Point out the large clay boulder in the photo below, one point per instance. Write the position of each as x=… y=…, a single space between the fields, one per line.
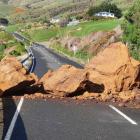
x=13 y=77
x=66 y=81
x=115 y=69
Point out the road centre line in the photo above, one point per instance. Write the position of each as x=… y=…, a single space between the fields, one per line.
x=11 y=127
x=123 y=115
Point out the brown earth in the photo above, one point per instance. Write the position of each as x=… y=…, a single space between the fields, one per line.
x=111 y=76
x=111 y=71
x=115 y=69
x=19 y=10
x=66 y=81
x=13 y=77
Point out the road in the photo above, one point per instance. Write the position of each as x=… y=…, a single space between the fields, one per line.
x=68 y=119
x=48 y=60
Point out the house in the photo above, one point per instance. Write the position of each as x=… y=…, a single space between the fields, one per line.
x=74 y=22
x=105 y=14
x=55 y=19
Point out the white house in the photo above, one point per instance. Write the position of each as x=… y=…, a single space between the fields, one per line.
x=74 y=22
x=55 y=20
x=105 y=14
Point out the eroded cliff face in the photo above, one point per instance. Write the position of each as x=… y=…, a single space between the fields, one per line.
x=111 y=76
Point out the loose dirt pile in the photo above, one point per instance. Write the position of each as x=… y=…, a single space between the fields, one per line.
x=112 y=76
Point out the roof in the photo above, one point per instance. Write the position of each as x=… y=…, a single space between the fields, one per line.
x=104 y=13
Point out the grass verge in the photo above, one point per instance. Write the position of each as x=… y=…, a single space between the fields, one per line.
x=79 y=56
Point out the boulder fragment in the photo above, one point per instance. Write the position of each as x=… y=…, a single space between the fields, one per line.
x=13 y=77
x=115 y=69
x=66 y=81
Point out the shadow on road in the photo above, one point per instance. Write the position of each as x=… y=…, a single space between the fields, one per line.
x=9 y=108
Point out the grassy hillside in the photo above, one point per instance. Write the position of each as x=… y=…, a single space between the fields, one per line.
x=46 y=8
x=86 y=28
x=10 y=46
x=44 y=3
x=5 y=9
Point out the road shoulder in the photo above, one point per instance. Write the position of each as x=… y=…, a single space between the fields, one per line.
x=1 y=118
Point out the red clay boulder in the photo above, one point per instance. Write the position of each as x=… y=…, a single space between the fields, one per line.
x=66 y=81
x=115 y=69
x=13 y=77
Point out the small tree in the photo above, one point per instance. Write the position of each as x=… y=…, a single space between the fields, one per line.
x=105 y=6
x=131 y=27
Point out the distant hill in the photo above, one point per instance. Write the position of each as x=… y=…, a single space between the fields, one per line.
x=5 y=9
x=44 y=8
x=38 y=3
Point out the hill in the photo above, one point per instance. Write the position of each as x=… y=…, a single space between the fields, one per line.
x=36 y=9
x=44 y=3
x=5 y=9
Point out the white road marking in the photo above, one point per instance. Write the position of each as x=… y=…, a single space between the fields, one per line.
x=123 y=115
x=11 y=127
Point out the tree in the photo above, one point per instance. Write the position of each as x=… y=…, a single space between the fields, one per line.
x=106 y=6
x=131 y=27
x=133 y=15
x=4 y=21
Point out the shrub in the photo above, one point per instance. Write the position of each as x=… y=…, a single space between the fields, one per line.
x=20 y=48
x=1 y=55
x=15 y=53
x=2 y=47
x=5 y=36
x=131 y=27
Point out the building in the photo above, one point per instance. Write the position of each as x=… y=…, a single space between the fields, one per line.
x=55 y=19
x=74 y=22
x=105 y=14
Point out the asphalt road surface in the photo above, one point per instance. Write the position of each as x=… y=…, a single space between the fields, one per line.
x=45 y=59
x=71 y=120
